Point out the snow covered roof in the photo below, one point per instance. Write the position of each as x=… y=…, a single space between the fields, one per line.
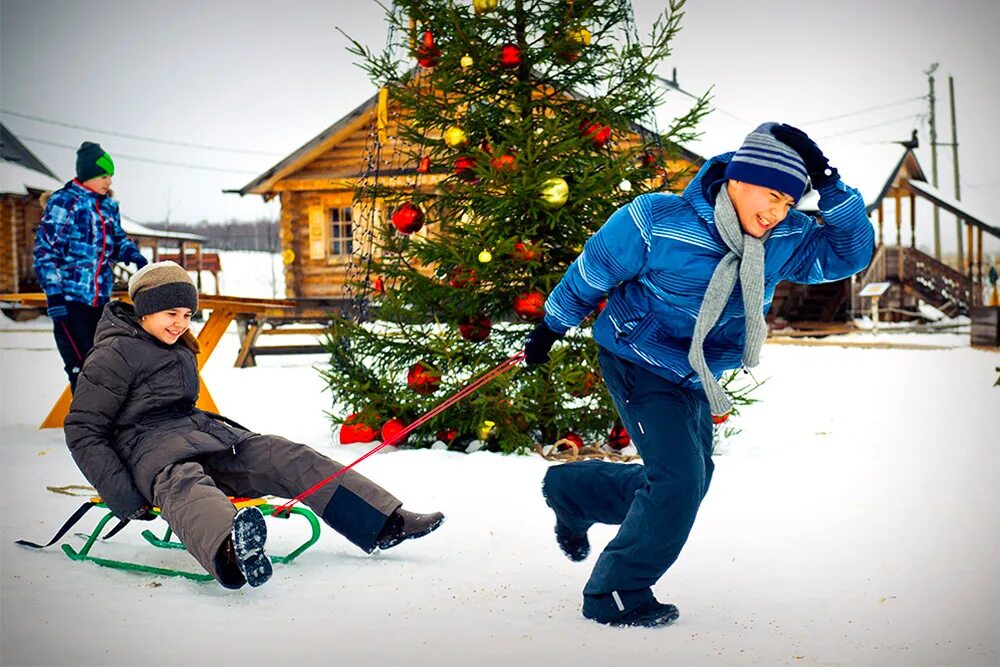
x=133 y=228
x=16 y=179
x=954 y=206
x=20 y=169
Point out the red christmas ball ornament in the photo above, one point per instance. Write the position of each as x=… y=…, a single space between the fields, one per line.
x=504 y=162
x=598 y=133
x=425 y=165
x=446 y=435
x=423 y=379
x=619 y=438
x=352 y=431
x=530 y=306
x=510 y=56
x=462 y=277
x=427 y=52
x=391 y=429
x=475 y=329
x=465 y=168
x=524 y=251
x=408 y=218
x=574 y=438
x=379 y=285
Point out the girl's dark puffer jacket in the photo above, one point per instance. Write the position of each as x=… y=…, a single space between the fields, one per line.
x=133 y=411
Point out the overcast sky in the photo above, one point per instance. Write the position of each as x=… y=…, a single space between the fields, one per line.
x=263 y=76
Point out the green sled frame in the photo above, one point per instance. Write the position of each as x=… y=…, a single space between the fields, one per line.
x=169 y=542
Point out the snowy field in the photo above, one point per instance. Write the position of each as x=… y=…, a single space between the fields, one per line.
x=853 y=521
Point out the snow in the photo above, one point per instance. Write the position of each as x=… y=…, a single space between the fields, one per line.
x=851 y=521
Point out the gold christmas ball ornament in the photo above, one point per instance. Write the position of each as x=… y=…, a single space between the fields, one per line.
x=455 y=136
x=554 y=193
x=580 y=36
x=466 y=61
x=288 y=256
x=485 y=257
x=486 y=429
x=483 y=6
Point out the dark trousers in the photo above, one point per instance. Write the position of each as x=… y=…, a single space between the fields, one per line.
x=75 y=336
x=655 y=503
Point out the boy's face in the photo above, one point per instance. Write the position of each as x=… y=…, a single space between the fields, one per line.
x=101 y=185
x=758 y=208
x=167 y=326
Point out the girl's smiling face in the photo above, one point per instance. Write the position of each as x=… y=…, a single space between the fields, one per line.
x=167 y=326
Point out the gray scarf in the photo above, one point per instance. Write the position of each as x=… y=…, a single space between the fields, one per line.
x=746 y=260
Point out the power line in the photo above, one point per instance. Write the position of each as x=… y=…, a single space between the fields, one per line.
x=869 y=127
x=863 y=111
x=143 y=159
x=133 y=136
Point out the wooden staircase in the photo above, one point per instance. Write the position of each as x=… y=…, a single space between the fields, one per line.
x=916 y=276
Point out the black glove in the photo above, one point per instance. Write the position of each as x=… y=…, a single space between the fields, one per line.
x=56 y=307
x=817 y=166
x=141 y=513
x=140 y=261
x=538 y=343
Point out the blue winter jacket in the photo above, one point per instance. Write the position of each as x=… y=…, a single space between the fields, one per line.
x=79 y=238
x=654 y=257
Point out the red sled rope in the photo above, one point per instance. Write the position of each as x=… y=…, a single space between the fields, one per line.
x=486 y=378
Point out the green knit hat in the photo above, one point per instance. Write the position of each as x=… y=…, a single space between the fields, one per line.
x=162 y=286
x=93 y=162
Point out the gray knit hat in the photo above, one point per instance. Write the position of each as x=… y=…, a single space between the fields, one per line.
x=765 y=161
x=161 y=286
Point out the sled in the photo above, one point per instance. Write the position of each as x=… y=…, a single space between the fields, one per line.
x=168 y=540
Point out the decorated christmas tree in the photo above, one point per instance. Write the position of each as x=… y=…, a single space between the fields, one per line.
x=507 y=132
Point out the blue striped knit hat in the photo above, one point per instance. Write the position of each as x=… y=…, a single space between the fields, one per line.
x=763 y=160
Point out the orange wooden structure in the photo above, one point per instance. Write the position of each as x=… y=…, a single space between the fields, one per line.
x=224 y=309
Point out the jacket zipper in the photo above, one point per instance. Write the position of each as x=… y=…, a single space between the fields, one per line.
x=104 y=245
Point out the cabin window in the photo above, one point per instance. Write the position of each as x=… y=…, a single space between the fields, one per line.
x=341 y=231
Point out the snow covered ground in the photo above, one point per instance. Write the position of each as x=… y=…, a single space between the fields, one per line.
x=853 y=521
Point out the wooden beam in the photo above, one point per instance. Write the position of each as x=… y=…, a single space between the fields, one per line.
x=913 y=220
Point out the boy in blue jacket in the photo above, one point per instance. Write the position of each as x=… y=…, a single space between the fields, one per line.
x=688 y=279
x=78 y=240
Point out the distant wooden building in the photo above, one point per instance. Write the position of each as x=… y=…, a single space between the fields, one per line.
x=319 y=225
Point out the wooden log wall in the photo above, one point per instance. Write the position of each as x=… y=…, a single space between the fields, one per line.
x=9 y=253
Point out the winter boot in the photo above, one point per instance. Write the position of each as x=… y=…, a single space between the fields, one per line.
x=249 y=534
x=647 y=615
x=576 y=547
x=643 y=609
x=403 y=525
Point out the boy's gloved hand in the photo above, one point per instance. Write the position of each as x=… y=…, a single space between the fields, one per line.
x=817 y=166
x=141 y=513
x=140 y=261
x=538 y=343
x=56 y=307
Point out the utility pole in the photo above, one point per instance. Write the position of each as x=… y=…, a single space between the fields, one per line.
x=934 y=169
x=954 y=160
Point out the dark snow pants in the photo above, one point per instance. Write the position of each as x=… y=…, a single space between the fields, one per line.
x=192 y=495
x=75 y=336
x=655 y=503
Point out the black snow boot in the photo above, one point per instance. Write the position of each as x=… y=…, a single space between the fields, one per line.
x=576 y=547
x=403 y=525
x=647 y=615
x=249 y=534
